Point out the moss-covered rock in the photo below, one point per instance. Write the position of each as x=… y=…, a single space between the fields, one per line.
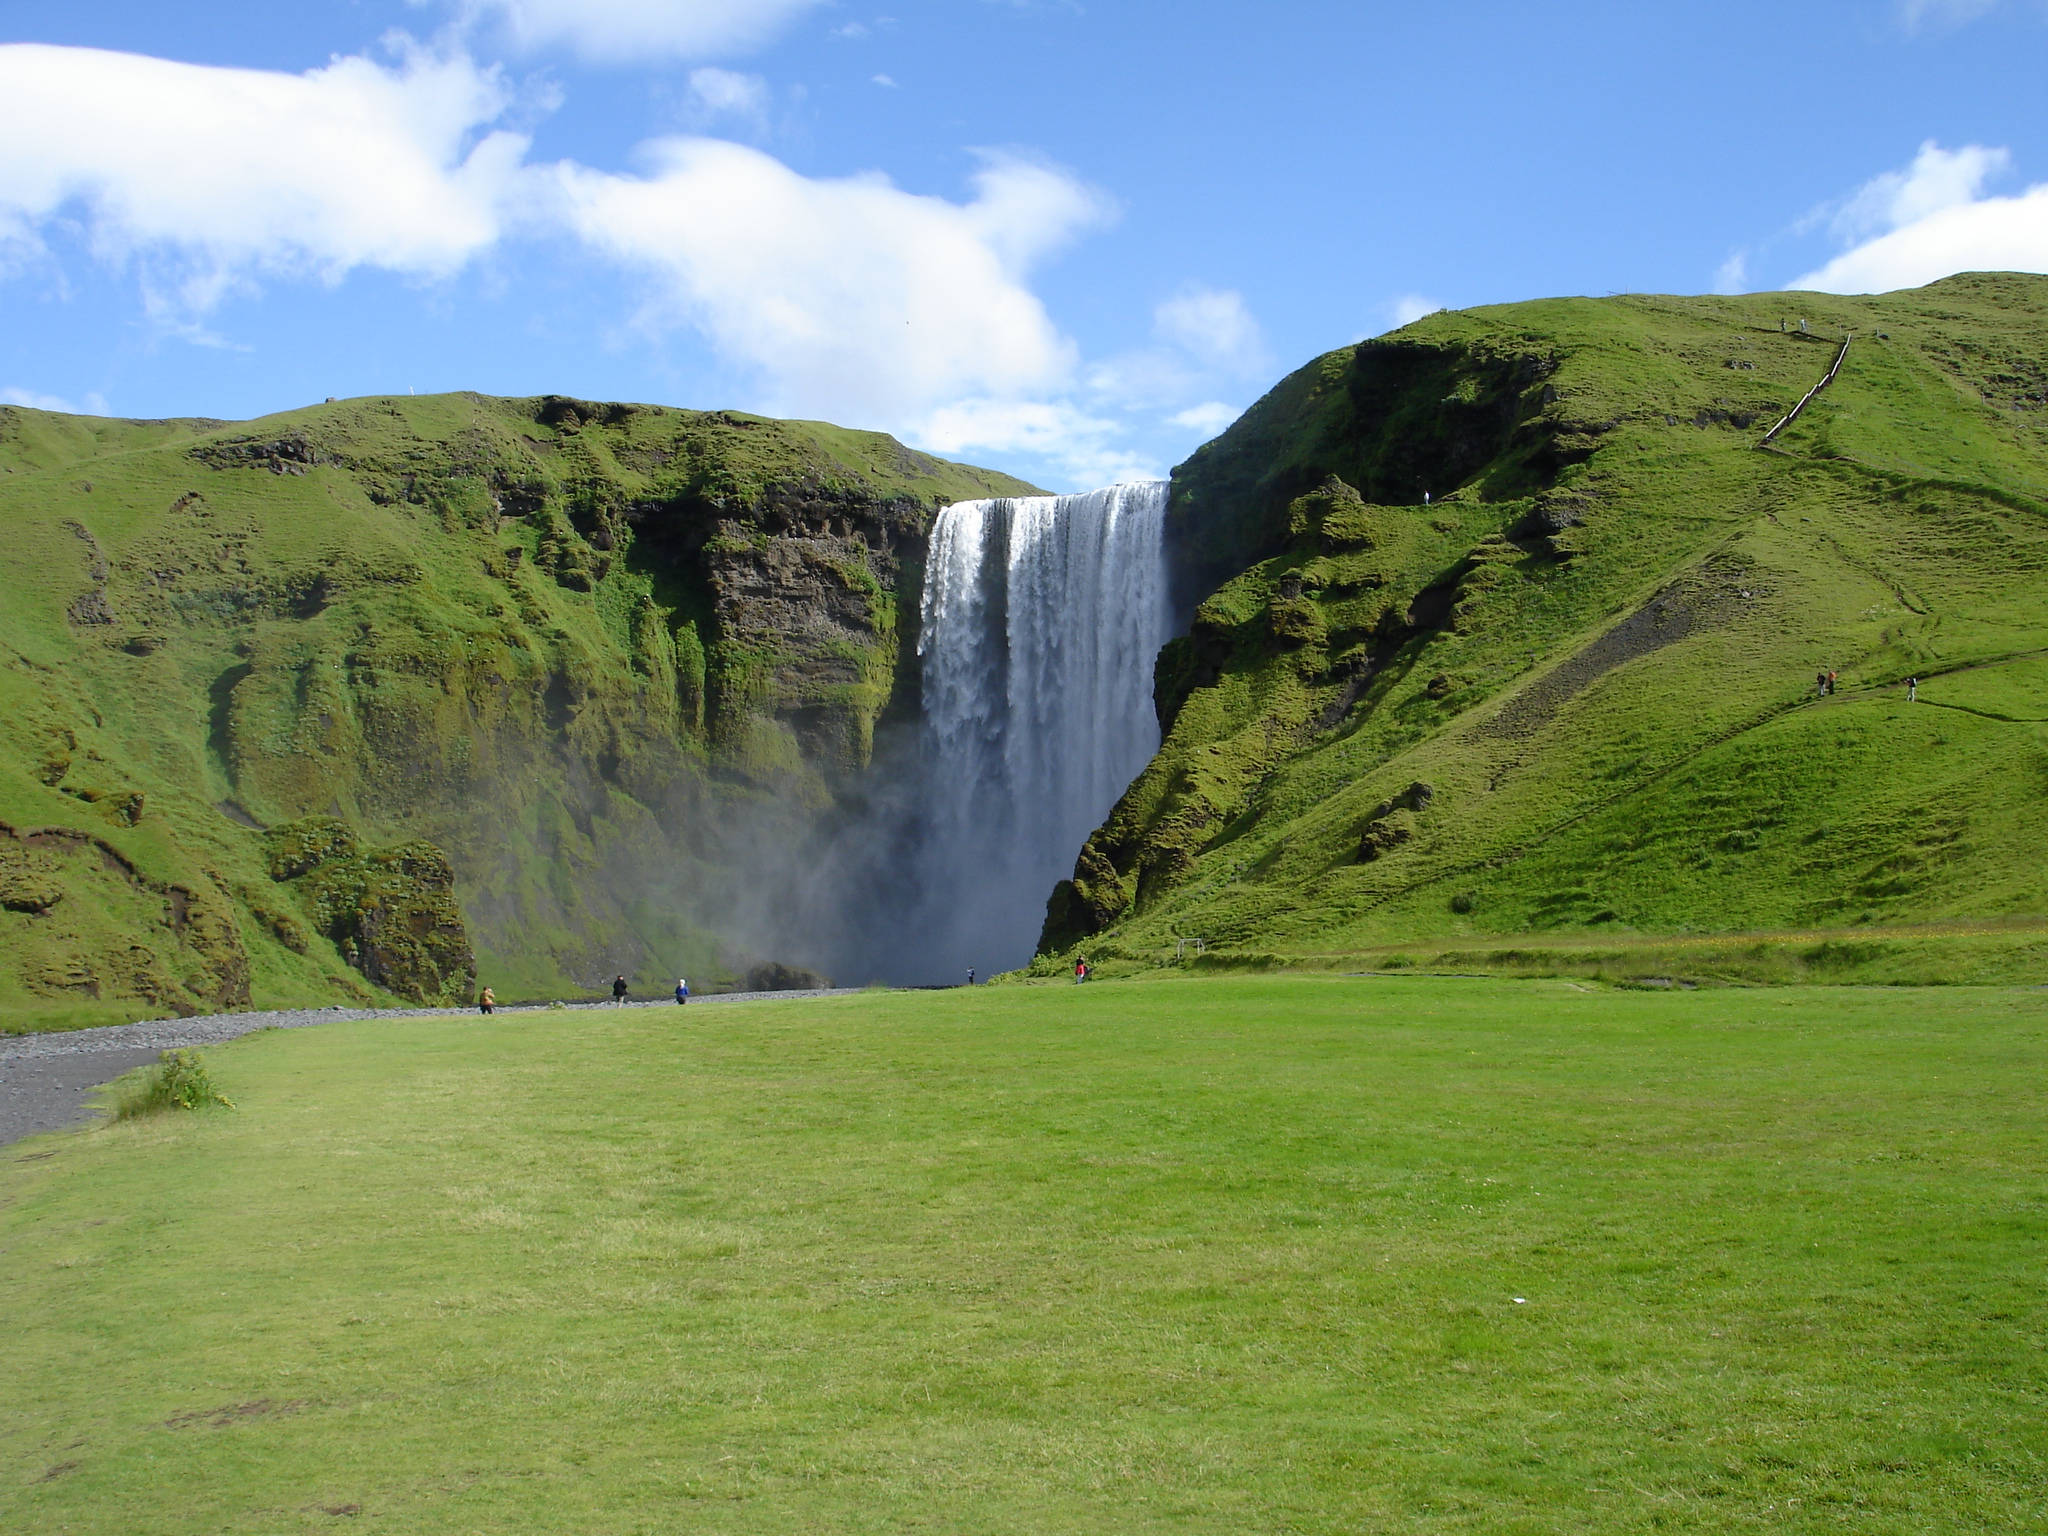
x=390 y=911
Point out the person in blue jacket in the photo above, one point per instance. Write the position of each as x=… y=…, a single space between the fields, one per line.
x=682 y=990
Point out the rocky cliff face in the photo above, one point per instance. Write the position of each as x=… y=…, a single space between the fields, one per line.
x=581 y=654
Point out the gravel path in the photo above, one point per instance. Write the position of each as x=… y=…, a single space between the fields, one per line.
x=46 y=1080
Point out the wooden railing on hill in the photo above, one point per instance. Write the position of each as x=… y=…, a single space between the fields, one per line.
x=1826 y=379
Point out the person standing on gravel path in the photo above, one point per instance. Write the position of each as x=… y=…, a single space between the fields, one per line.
x=619 y=991
x=486 y=1001
x=682 y=990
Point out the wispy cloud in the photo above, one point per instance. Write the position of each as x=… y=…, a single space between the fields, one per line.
x=1205 y=337
x=1930 y=220
x=1937 y=179
x=95 y=404
x=1923 y=13
x=724 y=96
x=1086 y=448
x=633 y=31
x=1208 y=418
x=1409 y=308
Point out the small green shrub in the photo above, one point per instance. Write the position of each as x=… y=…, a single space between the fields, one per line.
x=178 y=1081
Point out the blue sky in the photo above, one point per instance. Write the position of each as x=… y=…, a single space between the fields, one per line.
x=1065 y=239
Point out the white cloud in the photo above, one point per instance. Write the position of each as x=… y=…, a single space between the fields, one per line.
x=722 y=93
x=1409 y=308
x=1732 y=276
x=1933 y=222
x=13 y=395
x=847 y=298
x=1938 y=178
x=629 y=31
x=1208 y=336
x=1214 y=326
x=1087 y=449
x=1208 y=418
x=234 y=170
x=884 y=80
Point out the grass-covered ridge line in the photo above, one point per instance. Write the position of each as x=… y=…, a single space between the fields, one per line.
x=1228 y=1256
x=1573 y=693
x=554 y=645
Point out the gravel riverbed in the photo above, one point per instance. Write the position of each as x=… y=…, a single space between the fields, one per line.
x=47 y=1080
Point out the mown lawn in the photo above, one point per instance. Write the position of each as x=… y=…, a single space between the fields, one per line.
x=1260 y=1255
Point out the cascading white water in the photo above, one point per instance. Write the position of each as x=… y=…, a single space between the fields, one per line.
x=1042 y=616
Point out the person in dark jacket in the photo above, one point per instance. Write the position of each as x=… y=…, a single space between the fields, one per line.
x=619 y=991
x=682 y=989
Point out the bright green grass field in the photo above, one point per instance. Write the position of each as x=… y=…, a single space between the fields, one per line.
x=1218 y=1256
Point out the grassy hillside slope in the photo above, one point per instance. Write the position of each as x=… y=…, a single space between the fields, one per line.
x=1521 y=626
x=521 y=662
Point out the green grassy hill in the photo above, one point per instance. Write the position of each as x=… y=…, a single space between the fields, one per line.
x=308 y=709
x=1509 y=626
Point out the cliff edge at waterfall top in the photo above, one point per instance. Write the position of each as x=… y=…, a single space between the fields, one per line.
x=1508 y=639
x=331 y=706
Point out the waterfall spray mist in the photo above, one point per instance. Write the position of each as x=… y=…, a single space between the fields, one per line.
x=1042 y=616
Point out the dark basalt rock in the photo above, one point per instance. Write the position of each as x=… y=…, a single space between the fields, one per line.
x=774 y=976
x=1393 y=822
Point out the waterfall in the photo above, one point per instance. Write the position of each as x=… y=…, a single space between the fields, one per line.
x=1041 y=619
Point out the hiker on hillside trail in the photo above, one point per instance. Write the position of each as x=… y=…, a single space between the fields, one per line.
x=682 y=990
x=1831 y=683
x=486 y=1001
x=1912 y=689
x=1080 y=971
x=970 y=978
x=1820 y=684
x=619 y=991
